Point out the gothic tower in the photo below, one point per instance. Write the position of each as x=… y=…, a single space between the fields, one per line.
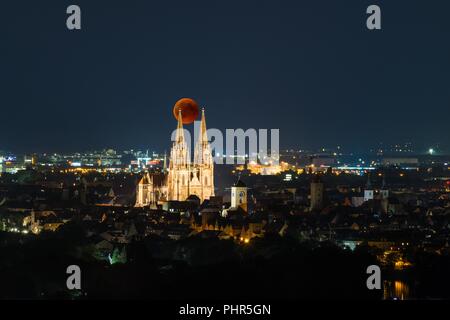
x=142 y=192
x=202 y=175
x=179 y=167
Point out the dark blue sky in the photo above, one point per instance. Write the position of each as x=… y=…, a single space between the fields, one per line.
x=310 y=68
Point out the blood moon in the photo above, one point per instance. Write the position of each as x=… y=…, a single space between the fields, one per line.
x=189 y=110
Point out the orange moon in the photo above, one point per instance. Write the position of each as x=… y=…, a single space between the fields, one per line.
x=189 y=110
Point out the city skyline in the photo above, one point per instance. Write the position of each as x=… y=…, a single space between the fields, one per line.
x=212 y=158
x=150 y=149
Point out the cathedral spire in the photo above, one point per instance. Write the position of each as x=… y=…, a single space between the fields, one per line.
x=180 y=131
x=203 y=136
x=202 y=152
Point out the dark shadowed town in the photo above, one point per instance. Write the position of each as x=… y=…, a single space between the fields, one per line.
x=315 y=221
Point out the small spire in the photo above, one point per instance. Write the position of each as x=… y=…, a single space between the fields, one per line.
x=202 y=143
x=239 y=182
x=180 y=119
x=165 y=161
x=180 y=131
x=144 y=180
x=203 y=135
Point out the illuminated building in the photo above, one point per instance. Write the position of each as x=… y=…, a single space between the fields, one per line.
x=151 y=189
x=266 y=168
x=184 y=178
x=239 y=195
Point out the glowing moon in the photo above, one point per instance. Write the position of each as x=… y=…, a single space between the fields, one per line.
x=189 y=110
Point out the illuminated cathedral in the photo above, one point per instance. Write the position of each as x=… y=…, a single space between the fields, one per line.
x=183 y=177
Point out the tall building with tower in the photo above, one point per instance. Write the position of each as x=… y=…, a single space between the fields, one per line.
x=239 y=196
x=183 y=177
x=384 y=191
x=151 y=189
x=384 y=196
x=368 y=191
x=316 y=193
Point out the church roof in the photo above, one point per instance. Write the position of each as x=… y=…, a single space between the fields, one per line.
x=193 y=197
x=144 y=179
x=240 y=184
x=158 y=179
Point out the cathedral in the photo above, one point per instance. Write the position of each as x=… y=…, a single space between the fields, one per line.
x=183 y=177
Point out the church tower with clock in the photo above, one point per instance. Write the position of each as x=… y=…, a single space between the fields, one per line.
x=239 y=195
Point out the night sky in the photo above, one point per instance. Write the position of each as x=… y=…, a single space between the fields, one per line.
x=310 y=68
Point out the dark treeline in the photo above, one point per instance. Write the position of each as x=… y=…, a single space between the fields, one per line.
x=34 y=267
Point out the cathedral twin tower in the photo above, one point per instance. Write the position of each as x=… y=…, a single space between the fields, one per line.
x=186 y=178
x=183 y=178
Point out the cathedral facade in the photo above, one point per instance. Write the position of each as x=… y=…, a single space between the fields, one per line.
x=183 y=177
